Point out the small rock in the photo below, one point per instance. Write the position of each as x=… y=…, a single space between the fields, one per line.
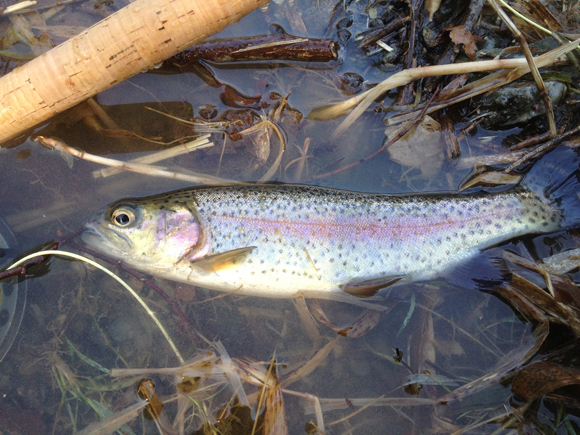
x=518 y=103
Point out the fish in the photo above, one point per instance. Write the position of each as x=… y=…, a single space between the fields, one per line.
x=280 y=240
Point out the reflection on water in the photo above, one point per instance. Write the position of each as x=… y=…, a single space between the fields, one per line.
x=79 y=323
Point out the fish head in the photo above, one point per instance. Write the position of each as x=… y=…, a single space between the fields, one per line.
x=152 y=236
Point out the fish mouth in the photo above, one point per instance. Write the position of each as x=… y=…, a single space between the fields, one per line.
x=116 y=244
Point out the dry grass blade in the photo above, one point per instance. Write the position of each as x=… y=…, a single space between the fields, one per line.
x=432 y=6
x=485 y=84
x=232 y=374
x=273 y=401
x=272 y=44
x=530 y=265
x=516 y=358
x=489 y=178
x=281 y=137
x=362 y=408
x=306 y=320
x=113 y=422
x=317 y=360
x=394 y=137
x=402 y=78
x=365 y=99
x=348 y=299
x=199 y=143
x=333 y=404
x=523 y=17
x=561 y=263
x=533 y=68
x=360 y=326
x=316 y=408
x=18 y=7
x=557 y=312
x=154 y=171
x=202 y=365
x=111 y=274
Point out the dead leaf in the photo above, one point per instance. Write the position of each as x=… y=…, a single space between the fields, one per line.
x=306 y=320
x=319 y=359
x=423 y=147
x=448 y=348
x=274 y=413
x=423 y=351
x=360 y=326
x=543 y=377
x=489 y=178
x=460 y=35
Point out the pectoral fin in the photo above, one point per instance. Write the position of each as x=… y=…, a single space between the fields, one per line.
x=221 y=261
x=366 y=289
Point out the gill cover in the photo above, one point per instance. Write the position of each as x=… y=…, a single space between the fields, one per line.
x=160 y=233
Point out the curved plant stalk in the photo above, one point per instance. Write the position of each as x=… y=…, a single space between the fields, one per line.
x=123 y=283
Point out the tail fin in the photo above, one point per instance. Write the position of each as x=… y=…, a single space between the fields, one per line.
x=556 y=179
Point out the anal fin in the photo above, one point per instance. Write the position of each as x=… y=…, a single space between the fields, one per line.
x=369 y=287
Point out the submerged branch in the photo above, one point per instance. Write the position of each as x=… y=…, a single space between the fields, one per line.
x=275 y=46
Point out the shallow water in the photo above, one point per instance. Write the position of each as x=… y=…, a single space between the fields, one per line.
x=461 y=334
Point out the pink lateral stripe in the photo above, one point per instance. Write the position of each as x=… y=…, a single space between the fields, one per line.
x=359 y=229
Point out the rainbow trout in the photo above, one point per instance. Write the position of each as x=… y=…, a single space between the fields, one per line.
x=281 y=240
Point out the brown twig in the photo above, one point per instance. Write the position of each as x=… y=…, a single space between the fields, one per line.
x=384 y=31
x=23 y=268
x=406 y=94
x=449 y=55
x=533 y=67
x=536 y=152
x=448 y=130
x=275 y=46
x=534 y=140
x=400 y=133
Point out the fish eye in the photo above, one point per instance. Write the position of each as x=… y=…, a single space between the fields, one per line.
x=123 y=217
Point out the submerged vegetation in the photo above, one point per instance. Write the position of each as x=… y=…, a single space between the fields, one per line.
x=380 y=96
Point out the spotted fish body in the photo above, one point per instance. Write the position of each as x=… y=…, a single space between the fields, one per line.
x=311 y=239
